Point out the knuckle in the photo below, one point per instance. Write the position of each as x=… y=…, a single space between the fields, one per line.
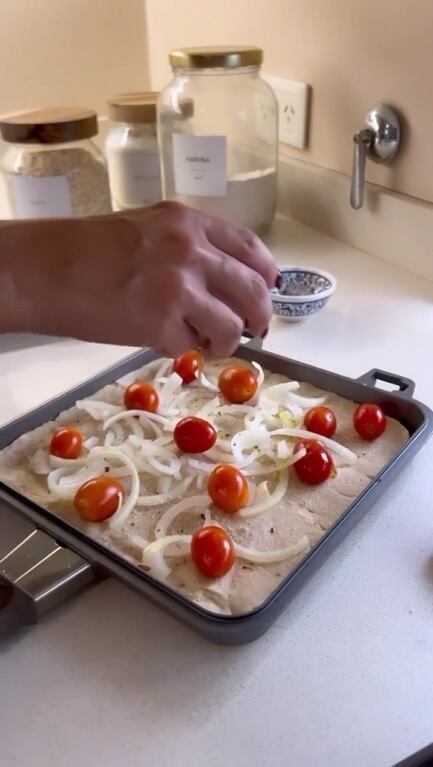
x=249 y=239
x=258 y=286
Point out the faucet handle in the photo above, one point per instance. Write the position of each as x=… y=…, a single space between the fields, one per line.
x=362 y=142
x=379 y=139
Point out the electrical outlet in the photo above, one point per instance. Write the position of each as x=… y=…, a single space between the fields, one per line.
x=293 y=115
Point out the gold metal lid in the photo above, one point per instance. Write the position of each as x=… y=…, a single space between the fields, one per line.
x=136 y=107
x=221 y=56
x=55 y=125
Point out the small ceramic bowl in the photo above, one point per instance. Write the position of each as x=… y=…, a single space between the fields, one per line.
x=303 y=291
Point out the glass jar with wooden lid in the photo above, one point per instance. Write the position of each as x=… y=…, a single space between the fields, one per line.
x=51 y=166
x=132 y=151
x=220 y=154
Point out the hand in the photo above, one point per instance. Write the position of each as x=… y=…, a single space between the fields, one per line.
x=165 y=276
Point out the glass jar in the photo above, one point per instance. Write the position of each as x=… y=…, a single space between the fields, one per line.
x=51 y=167
x=218 y=135
x=132 y=151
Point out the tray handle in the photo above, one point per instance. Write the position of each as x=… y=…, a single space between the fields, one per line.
x=405 y=386
x=36 y=575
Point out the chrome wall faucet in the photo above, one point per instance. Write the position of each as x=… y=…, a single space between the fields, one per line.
x=378 y=139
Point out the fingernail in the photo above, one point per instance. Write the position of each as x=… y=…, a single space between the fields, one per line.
x=279 y=280
x=265 y=333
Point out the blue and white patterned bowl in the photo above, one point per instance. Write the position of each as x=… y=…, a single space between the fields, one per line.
x=303 y=292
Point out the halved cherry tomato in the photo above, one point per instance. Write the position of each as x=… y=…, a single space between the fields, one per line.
x=321 y=420
x=141 y=396
x=66 y=443
x=194 y=435
x=188 y=365
x=228 y=488
x=316 y=466
x=98 y=498
x=212 y=551
x=237 y=383
x=369 y=421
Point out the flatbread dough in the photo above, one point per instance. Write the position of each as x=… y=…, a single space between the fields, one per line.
x=305 y=510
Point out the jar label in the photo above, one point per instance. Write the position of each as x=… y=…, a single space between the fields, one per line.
x=200 y=165
x=41 y=196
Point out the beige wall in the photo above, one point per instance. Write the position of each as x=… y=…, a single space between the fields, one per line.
x=353 y=53
x=70 y=52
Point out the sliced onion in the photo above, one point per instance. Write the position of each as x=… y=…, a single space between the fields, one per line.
x=194 y=503
x=153 y=554
x=269 y=499
x=125 y=508
x=277 y=555
x=164 y=484
x=205 y=382
x=168 y=389
x=174 y=492
x=133 y=414
x=172 y=469
x=247 y=439
x=63 y=484
x=257 y=471
x=336 y=448
x=162 y=369
x=261 y=374
x=90 y=442
x=200 y=465
x=109 y=438
x=283 y=450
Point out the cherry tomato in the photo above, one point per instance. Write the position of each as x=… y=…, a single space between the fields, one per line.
x=194 y=435
x=141 y=396
x=66 y=443
x=237 y=384
x=98 y=498
x=369 y=421
x=317 y=464
x=188 y=365
x=228 y=488
x=212 y=551
x=321 y=420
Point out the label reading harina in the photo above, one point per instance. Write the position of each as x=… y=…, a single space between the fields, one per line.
x=200 y=165
x=41 y=196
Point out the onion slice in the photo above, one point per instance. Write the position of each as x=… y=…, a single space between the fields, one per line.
x=263 y=504
x=153 y=554
x=194 y=503
x=277 y=555
x=206 y=383
x=336 y=448
x=121 y=515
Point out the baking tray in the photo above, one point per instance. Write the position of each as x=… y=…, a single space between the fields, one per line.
x=53 y=559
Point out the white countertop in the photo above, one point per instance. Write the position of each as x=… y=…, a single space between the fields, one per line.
x=345 y=676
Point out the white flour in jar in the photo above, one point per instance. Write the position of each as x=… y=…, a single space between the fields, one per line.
x=250 y=200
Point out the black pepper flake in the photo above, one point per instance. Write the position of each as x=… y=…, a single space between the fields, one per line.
x=132 y=524
x=271 y=530
x=181 y=531
x=246 y=567
x=106 y=469
x=203 y=516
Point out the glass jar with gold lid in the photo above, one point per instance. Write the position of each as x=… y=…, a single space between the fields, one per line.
x=218 y=135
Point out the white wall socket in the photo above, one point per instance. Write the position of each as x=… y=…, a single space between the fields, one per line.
x=293 y=102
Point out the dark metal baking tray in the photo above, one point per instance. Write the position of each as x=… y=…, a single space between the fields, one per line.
x=30 y=582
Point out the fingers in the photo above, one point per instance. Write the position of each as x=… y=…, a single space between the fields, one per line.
x=244 y=246
x=242 y=289
x=216 y=322
x=182 y=336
